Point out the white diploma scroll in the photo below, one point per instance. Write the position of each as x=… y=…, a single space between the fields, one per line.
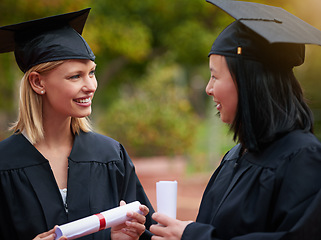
x=97 y=222
x=166 y=197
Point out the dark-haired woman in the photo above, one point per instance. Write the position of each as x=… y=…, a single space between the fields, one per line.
x=269 y=185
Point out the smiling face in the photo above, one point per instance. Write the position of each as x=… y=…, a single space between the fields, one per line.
x=69 y=89
x=222 y=88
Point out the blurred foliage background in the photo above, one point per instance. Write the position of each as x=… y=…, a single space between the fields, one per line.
x=152 y=71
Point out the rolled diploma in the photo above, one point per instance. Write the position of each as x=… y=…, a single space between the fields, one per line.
x=97 y=222
x=166 y=195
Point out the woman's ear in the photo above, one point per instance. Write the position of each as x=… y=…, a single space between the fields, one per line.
x=35 y=80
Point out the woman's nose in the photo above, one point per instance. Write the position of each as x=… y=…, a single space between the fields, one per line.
x=90 y=84
x=209 y=88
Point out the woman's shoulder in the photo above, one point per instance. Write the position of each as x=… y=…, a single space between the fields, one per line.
x=7 y=150
x=13 y=143
x=304 y=149
x=297 y=141
x=290 y=146
x=97 y=147
x=17 y=152
x=97 y=139
x=8 y=141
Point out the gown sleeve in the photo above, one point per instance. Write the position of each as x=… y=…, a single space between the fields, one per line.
x=295 y=212
x=307 y=227
x=129 y=188
x=6 y=223
x=133 y=190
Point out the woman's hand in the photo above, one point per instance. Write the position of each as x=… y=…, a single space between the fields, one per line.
x=168 y=228
x=50 y=235
x=131 y=230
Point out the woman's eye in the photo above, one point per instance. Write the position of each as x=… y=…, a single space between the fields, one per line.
x=92 y=73
x=74 y=77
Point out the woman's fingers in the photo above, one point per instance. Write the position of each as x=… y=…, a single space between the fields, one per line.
x=50 y=235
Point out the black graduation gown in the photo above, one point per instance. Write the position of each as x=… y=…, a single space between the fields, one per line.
x=272 y=195
x=100 y=174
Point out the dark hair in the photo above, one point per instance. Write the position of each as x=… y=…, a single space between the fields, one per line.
x=270 y=103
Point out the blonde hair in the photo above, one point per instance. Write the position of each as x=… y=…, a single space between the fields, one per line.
x=30 y=108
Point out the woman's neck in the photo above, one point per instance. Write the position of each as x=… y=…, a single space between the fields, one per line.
x=56 y=147
x=57 y=132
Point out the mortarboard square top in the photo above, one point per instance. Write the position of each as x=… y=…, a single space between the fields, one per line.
x=47 y=39
x=264 y=33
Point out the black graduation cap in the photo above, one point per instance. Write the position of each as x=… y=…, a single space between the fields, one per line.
x=47 y=39
x=265 y=33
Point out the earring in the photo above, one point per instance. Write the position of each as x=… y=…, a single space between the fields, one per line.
x=42 y=92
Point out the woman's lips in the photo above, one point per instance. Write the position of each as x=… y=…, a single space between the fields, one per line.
x=218 y=106
x=83 y=101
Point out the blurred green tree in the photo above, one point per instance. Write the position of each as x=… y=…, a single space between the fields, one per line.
x=153 y=116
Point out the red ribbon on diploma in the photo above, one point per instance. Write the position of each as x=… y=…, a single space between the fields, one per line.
x=102 y=221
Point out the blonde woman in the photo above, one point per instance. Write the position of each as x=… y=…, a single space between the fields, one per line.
x=54 y=169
